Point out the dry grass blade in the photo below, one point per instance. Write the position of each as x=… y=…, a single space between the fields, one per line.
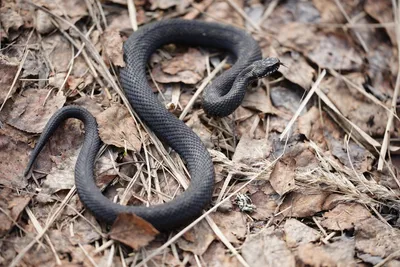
x=303 y=104
x=386 y=138
x=132 y=14
x=244 y=15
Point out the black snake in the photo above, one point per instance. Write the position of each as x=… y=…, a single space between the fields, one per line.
x=221 y=98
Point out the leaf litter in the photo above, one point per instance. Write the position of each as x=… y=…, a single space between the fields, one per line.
x=318 y=197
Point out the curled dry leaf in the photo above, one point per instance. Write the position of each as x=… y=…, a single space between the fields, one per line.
x=12 y=204
x=344 y=216
x=297 y=69
x=188 y=68
x=337 y=253
x=33 y=108
x=197 y=239
x=265 y=205
x=133 y=231
x=267 y=248
x=297 y=233
x=117 y=127
x=112 y=48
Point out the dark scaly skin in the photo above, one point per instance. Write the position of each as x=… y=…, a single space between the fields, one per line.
x=221 y=98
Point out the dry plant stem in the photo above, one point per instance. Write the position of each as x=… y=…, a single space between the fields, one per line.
x=198 y=9
x=190 y=226
x=51 y=220
x=303 y=104
x=132 y=14
x=21 y=64
x=201 y=89
x=244 y=15
x=388 y=258
x=268 y=11
x=38 y=229
x=386 y=138
x=360 y=39
x=226 y=242
x=355 y=25
x=88 y=256
x=362 y=91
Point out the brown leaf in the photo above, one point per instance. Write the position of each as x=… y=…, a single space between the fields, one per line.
x=12 y=205
x=267 y=248
x=82 y=232
x=265 y=205
x=188 y=68
x=376 y=238
x=297 y=71
x=301 y=205
x=202 y=131
x=232 y=224
x=197 y=239
x=8 y=70
x=382 y=11
x=10 y=19
x=116 y=127
x=297 y=233
x=29 y=114
x=58 y=50
x=218 y=256
x=132 y=231
x=337 y=253
x=282 y=176
x=344 y=216
x=112 y=48
x=250 y=151
x=222 y=11
x=259 y=101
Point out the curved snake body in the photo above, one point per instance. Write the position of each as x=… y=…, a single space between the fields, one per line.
x=221 y=98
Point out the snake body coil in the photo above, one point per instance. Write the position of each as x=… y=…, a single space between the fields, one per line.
x=220 y=99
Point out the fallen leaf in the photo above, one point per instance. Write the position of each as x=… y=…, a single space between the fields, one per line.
x=338 y=253
x=82 y=232
x=382 y=11
x=197 y=239
x=259 y=101
x=218 y=256
x=267 y=248
x=297 y=233
x=10 y=19
x=376 y=238
x=344 y=216
x=222 y=11
x=232 y=224
x=43 y=21
x=297 y=69
x=58 y=51
x=282 y=176
x=300 y=205
x=198 y=127
x=265 y=205
x=132 y=231
x=8 y=70
x=285 y=97
x=12 y=205
x=112 y=48
x=33 y=108
x=250 y=151
x=187 y=68
x=116 y=127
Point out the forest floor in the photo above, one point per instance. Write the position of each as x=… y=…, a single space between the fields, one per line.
x=307 y=168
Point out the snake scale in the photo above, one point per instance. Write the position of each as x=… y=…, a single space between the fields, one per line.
x=220 y=99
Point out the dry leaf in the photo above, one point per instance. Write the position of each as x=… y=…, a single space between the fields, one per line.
x=344 y=216
x=267 y=248
x=259 y=101
x=282 y=176
x=116 y=127
x=12 y=205
x=195 y=124
x=58 y=51
x=297 y=69
x=251 y=151
x=112 y=48
x=232 y=224
x=265 y=205
x=33 y=108
x=218 y=256
x=382 y=11
x=8 y=70
x=10 y=19
x=82 y=231
x=297 y=233
x=376 y=238
x=132 y=231
x=337 y=253
x=197 y=239
x=188 y=68
x=301 y=205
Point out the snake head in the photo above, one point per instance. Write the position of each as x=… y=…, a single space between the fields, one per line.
x=264 y=67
